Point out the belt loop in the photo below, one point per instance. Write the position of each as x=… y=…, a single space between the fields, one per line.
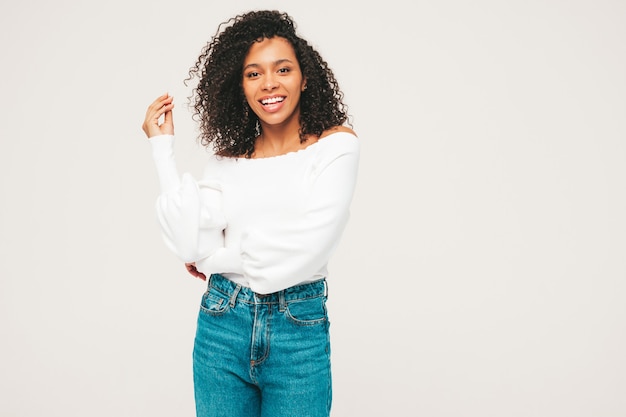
x=233 y=297
x=325 y=288
x=281 y=301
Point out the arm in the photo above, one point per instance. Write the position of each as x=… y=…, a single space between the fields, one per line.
x=191 y=218
x=189 y=213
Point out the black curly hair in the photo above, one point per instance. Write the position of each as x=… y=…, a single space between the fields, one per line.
x=226 y=121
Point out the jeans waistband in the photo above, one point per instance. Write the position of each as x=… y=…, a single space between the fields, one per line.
x=297 y=292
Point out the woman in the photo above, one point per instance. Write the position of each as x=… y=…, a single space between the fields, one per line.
x=264 y=219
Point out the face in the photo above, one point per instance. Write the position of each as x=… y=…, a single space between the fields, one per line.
x=272 y=82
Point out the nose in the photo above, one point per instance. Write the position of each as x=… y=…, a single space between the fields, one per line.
x=269 y=83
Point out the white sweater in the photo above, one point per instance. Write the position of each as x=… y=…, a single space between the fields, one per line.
x=266 y=223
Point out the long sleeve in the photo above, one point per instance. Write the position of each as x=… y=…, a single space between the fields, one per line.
x=163 y=156
x=281 y=254
x=189 y=212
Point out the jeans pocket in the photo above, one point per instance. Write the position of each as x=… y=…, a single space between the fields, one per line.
x=214 y=302
x=307 y=312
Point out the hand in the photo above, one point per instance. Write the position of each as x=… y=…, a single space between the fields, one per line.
x=162 y=106
x=191 y=268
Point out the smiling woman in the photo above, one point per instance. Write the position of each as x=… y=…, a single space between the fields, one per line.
x=265 y=218
x=272 y=84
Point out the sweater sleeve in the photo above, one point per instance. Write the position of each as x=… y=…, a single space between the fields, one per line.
x=284 y=253
x=189 y=212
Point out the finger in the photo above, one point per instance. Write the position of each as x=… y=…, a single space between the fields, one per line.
x=169 y=115
x=163 y=97
x=161 y=106
x=160 y=102
x=158 y=108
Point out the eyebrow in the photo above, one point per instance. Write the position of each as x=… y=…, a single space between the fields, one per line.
x=275 y=63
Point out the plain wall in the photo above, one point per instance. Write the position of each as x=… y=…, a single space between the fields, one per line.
x=483 y=272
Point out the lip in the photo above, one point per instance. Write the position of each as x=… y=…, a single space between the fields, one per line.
x=272 y=107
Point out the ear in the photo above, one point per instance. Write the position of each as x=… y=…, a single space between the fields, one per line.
x=303 y=85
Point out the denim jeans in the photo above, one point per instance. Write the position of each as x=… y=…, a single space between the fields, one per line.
x=262 y=355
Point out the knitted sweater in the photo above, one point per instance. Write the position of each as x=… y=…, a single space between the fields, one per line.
x=265 y=223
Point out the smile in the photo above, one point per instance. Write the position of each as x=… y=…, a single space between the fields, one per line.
x=272 y=100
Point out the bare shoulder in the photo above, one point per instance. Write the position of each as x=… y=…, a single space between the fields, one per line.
x=336 y=129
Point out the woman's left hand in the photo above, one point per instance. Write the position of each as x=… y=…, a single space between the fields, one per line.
x=191 y=268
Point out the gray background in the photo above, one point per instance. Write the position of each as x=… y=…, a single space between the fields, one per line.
x=483 y=270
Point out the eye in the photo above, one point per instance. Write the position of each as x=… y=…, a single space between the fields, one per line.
x=284 y=70
x=252 y=74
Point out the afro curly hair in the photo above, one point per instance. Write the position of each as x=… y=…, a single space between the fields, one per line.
x=225 y=118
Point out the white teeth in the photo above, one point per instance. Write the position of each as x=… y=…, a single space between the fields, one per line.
x=272 y=100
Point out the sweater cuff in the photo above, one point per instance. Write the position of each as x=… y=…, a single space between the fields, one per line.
x=163 y=156
x=162 y=146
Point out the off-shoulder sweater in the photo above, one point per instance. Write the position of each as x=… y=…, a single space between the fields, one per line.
x=265 y=223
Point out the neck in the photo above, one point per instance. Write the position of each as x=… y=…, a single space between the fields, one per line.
x=277 y=140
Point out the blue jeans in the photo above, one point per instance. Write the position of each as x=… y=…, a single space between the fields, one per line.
x=262 y=355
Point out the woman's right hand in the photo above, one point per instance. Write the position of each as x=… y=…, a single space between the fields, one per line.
x=162 y=106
